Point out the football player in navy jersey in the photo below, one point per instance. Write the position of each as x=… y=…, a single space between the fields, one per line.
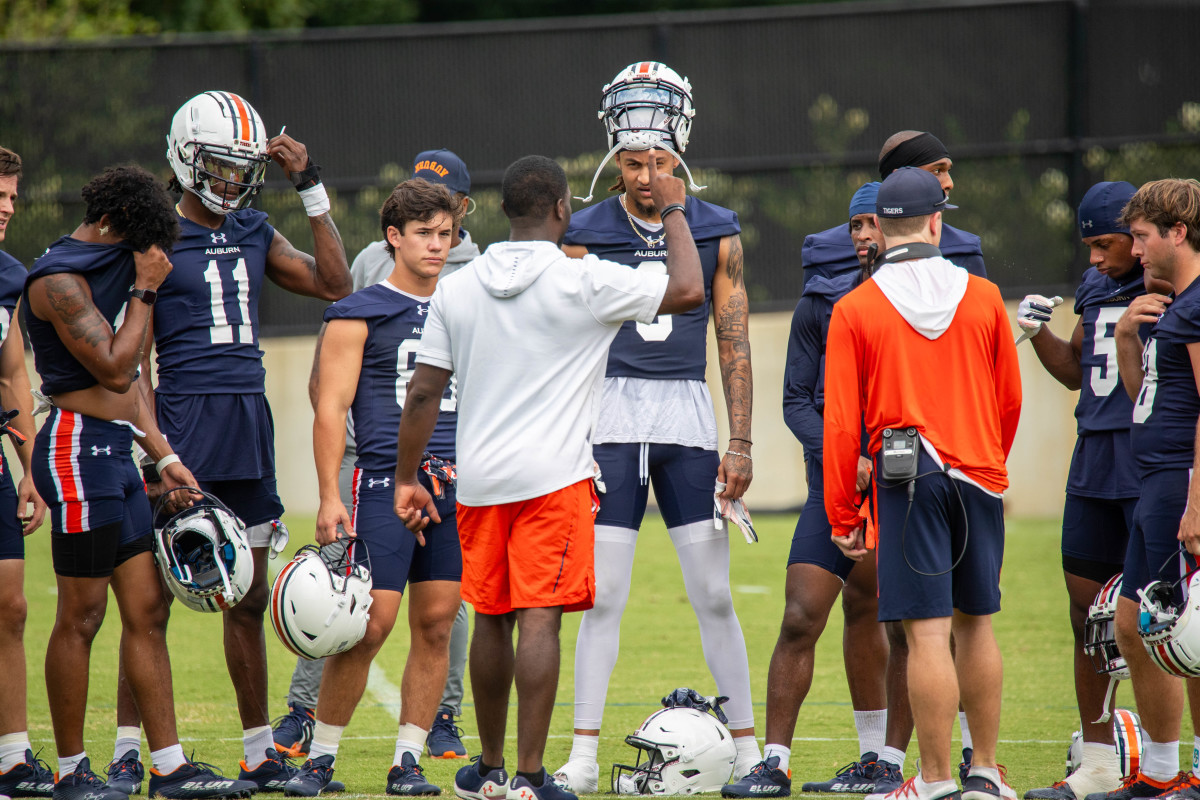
x=831 y=252
x=21 y=513
x=104 y=276
x=656 y=422
x=367 y=357
x=1102 y=485
x=1162 y=378
x=210 y=400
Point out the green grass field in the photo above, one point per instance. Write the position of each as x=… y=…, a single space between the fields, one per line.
x=660 y=651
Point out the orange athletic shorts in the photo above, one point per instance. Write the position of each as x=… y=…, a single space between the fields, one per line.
x=536 y=553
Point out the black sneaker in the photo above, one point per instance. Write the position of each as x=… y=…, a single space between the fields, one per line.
x=857 y=777
x=30 y=779
x=1058 y=791
x=313 y=778
x=408 y=779
x=766 y=779
x=1133 y=787
x=194 y=780
x=294 y=731
x=126 y=773
x=445 y=738
x=83 y=784
x=274 y=773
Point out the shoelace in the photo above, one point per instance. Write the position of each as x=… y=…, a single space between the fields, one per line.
x=906 y=788
x=446 y=725
x=41 y=769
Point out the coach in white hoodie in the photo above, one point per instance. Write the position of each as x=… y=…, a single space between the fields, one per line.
x=527 y=329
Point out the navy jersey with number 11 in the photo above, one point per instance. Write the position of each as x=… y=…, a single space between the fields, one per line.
x=395 y=321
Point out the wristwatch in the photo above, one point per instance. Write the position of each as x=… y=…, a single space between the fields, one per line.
x=147 y=296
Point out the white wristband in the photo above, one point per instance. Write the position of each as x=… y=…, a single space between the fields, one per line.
x=316 y=200
x=165 y=462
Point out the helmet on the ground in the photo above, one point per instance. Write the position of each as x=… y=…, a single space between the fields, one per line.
x=218 y=138
x=1169 y=625
x=1099 y=632
x=319 y=608
x=1127 y=733
x=203 y=554
x=646 y=104
x=680 y=751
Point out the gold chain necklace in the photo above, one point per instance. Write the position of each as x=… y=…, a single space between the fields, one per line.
x=650 y=241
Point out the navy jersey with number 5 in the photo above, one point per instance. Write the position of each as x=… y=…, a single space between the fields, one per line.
x=395 y=321
x=1167 y=407
x=673 y=347
x=206 y=317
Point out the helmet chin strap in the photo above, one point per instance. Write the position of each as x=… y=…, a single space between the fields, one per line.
x=1108 y=699
x=638 y=141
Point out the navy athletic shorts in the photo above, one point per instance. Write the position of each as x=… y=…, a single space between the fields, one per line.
x=12 y=542
x=1095 y=531
x=811 y=543
x=684 y=480
x=1153 y=552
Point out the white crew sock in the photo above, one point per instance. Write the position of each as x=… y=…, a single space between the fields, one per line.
x=966 y=730
x=168 y=759
x=12 y=749
x=326 y=739
x=256 y=742
x=129 y=737
x=584 y=748
x=784 y=754
x=871 y=726
x=893 y=756
x=67 y=764
x=1160 y=760
x=409 y=739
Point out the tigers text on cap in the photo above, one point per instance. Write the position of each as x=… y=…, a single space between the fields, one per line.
x=1101 y=207
x=442 y=166
x=910 y=192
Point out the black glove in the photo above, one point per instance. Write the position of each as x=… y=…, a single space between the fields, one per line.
x=684 y=697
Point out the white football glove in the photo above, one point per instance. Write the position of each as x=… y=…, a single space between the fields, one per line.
x=1035 y=310
x=735 y=511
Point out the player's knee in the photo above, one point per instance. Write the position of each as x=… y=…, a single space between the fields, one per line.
x=714 y=603
x=897 y=641
x=81 y=619
x=13 y=611
x=251 y=608
x=859 y=608
x=377 y=633
x=801 y=625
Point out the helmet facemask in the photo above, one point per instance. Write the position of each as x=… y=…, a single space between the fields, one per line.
x=214 y=166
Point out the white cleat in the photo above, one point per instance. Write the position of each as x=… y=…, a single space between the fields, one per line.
x=579 y=777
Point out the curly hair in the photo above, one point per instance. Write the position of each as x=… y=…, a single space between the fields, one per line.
x=417 y=200
x=137 y=204
x=10 y=163
x=1165 y=203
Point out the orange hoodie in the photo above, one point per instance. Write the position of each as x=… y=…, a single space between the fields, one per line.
x=962 y=390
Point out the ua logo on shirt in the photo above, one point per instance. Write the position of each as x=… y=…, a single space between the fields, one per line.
x=217 y=238
x=106 y=450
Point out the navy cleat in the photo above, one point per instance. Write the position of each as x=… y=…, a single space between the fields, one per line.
x=312 y=779
x=521 y=788
x=126 y=773
x=294 y=731
x=857 y=777
x=83 y=784
x=471 y=784
x=407 y=779
x=32 y=778
x=766 y=779
x=274 y=773
x=445 y=738
x=194 y=780
x=888 y=777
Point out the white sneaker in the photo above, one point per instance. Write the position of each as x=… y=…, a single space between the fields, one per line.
x=909 y=791
x=987 y=784
x=579 y=777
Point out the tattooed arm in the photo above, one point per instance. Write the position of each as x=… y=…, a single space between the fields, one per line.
x=731 y=316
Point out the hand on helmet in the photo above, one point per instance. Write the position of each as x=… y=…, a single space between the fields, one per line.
x=330 y=516
x=665 y=188
x=289 y=154
x=1035 y=310
x=176 y=475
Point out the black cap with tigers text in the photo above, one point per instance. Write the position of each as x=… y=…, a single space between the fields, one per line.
x=911 y=192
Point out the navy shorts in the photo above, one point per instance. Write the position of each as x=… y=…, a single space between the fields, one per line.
x=684 y=479
x=395 y=557
x=1095 y=535
x=1153 y=552
x=811 y=543
x=12 y=542
x=948 y=519
x=220 y=437
x=254 y=500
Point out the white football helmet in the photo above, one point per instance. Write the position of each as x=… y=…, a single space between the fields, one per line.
x=1127 y=732
x=680 y=751
x=320 y=609
x=1169 y=627
x=1099 y=633
x=217 y=138
x=204 y=555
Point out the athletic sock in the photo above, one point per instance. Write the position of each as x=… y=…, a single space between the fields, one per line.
x=871 y=726
x=67 y=764
x=168 y=759
x=1160 y=760
x=784 y=754
x=410 y=739
x=966 y=730
x=536 y=778
x=326 y=739
x=584 y=748
x=256 y=742
x=12 y=749
x=747 y=749
x=893 y=755
x=129 y=737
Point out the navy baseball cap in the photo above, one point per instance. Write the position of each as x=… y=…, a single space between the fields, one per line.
x=1101 y=207
x=442 y=166
x=910 y=192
